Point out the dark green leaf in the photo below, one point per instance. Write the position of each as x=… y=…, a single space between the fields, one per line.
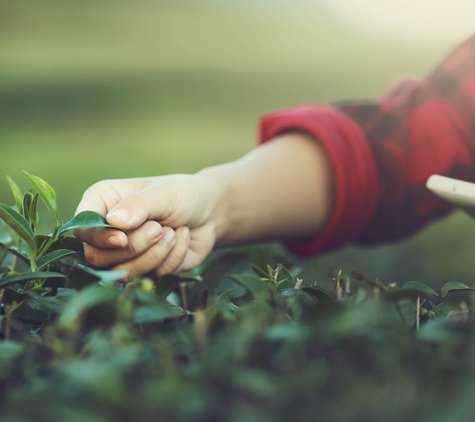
x=10 y=295
x=34 y=218
x=8 y=279
x=320 y=294
x=20 y=254
x=155 y=313
x=454 y=307
x=453 y=286
x=47 y=194
x=166 y=284
x=87 y=298
x=87 y=219
x=51 y=257
x=47 y=303
x=258 y=271
x=17 y=195
x=26 y=204
x=18 y=223
x=30 y=316
x=410 y=289
x=254 y=285
x=81 y=275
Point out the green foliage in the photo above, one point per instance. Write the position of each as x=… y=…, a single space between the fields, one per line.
x=235 y=339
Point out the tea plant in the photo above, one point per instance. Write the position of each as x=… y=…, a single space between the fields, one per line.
x=248 y=336
x=36 y=252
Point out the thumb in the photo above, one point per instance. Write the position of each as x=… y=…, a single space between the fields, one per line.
x=134 y=209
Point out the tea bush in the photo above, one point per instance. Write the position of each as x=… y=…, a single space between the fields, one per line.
x=245 y=337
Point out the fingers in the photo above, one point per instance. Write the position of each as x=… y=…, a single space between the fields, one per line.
x=163 y=252
x=175 y=259
x=152 y=203
x=137 y=242
x=102 y=238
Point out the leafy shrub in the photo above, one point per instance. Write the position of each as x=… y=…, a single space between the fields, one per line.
x=245 y=337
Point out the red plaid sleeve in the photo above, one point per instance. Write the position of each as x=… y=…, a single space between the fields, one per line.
x=383 y=152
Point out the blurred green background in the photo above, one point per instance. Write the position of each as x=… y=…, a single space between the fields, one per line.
x=97 y=89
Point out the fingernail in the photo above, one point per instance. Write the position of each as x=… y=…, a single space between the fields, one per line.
x=168 y=235
x=185 y=233
x=122 y=215
x=114 y=242
x=153 y=232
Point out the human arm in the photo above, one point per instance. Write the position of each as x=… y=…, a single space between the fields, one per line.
x=281 y=190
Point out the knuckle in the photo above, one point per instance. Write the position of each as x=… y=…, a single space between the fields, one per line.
x=174 y=260
x=92 y=256
x=158 y=254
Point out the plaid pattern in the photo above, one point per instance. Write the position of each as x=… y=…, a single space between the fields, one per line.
x=383 y=152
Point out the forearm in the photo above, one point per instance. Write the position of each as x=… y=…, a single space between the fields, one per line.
x=281 y=190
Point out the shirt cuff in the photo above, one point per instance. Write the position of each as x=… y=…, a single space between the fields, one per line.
x=356 y=180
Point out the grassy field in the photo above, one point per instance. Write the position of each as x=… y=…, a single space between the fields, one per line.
x=99 y=90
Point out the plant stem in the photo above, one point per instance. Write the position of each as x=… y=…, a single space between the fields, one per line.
x=3 y=255
x=45 y=249
x=418 y=313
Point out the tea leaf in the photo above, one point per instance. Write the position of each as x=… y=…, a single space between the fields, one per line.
x=320 y=294
x=18 y=223
x=257 y=288
x=410 y=289
x=454 y=285
x=51 y=257
x=17 y=195
x=47 y=194
x=20 y=254
x=168 y=282
x=454 y=307
x=34 y=218
x=155 y=313
x=9 y=279
x=258 y=271
x=87 y=219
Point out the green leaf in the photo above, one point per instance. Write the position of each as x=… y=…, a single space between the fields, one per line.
x=34 y=218
x=155 y=313
x=8 y=279
x=87 y=298
x=87 y=219
x=453 y=286
x=20 y=254
x=30 y=200
x=17 y=195
x=454 y=307
x=166 y=284
x=26 y=203
x=424 y=289
x=320 y=294
x=254 y=285
x=258 y=271
x=18 y=223
x=47 y=193
x=410 y=289
x=51 y=257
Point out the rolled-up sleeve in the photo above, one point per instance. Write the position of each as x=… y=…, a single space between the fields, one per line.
x=384 y=150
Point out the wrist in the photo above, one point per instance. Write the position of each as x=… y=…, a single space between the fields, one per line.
x=218 y=187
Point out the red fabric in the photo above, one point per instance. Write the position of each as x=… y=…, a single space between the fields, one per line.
x=383 y=152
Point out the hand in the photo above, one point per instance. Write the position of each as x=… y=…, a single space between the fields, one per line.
x=169 y=220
